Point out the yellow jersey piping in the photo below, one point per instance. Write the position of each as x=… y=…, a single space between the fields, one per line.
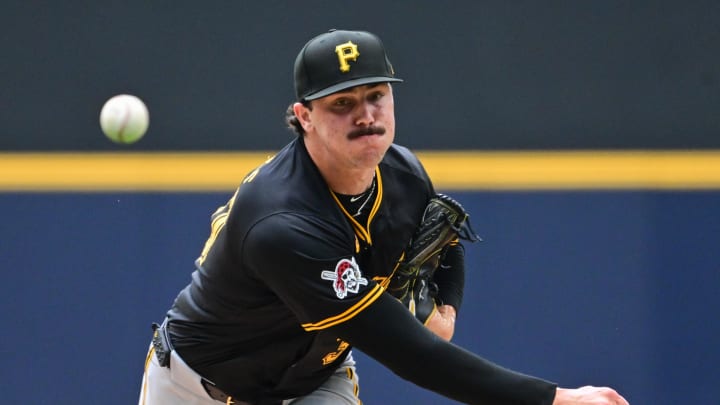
x=368 y=299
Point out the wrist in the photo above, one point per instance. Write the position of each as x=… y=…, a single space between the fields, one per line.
x=442 y=322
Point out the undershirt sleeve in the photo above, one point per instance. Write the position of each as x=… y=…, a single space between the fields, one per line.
x=387 y=332
x=450 y=277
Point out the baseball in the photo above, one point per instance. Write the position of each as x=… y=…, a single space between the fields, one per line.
x=124 y=119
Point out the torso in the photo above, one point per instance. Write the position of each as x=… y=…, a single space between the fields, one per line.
x=285 y=263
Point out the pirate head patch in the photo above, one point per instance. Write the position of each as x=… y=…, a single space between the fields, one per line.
x=346 y=278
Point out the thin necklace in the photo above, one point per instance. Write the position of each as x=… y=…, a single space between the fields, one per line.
x=370 y=194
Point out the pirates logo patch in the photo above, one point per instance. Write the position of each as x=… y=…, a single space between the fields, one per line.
x=346 y=277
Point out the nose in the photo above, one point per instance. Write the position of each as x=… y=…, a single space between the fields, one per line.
x=365 y=114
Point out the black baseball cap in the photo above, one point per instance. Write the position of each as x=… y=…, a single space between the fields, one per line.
x=338 y=60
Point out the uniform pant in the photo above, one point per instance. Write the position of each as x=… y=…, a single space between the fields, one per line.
x=179 y=384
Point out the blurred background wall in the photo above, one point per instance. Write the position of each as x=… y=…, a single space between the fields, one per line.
x=610 y=285
x=478 y=74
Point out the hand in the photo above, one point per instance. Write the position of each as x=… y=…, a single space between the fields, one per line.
x=442 y=321
x=588 y=395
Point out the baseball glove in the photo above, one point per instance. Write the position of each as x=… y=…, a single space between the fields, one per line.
x=444 y=222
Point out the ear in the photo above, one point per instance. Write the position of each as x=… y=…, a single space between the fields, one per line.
x=303 y=115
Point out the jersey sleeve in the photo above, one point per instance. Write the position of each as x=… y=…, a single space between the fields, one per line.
x=387 y=332
x=310 y=265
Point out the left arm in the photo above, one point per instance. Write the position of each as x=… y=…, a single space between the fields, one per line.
x=450 y=279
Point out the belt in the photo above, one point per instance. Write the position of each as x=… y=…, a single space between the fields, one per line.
x=218 y=394
x=163 y=348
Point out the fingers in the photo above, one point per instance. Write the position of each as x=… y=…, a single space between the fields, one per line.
x=620 y=400
x=610 y=395
x=613 y=397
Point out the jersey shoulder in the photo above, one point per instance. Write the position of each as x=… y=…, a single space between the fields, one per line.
x=401 y=158
x=406 y=165
x=286 y=199
x=286 y=182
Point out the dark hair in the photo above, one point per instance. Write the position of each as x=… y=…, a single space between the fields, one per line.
x=292 y=121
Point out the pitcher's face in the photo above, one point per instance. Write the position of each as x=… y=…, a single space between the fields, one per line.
x=352 y=127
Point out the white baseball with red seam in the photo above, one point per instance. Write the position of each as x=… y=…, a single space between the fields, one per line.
x=124 y=118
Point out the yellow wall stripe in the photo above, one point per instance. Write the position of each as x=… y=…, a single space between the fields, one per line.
x=575 y=170
x=457 y=170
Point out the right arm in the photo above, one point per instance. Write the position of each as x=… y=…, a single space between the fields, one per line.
x=387 y=332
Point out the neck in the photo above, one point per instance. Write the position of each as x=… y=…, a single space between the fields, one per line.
x=350 y=183
x=341 y=178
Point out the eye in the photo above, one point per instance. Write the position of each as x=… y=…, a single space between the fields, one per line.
x=376 y=96
x=341 y=102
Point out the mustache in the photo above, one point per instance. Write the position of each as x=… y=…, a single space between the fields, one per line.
x=371 y=130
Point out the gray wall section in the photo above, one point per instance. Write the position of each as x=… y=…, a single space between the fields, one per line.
x=479 y=74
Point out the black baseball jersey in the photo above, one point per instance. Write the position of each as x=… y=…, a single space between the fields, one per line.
x=284 y=263
x=289 y=277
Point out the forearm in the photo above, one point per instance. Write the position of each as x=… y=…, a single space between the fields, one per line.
x=450 y=277
x=392 y=336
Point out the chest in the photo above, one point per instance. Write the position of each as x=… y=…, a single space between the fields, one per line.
x=390 y=231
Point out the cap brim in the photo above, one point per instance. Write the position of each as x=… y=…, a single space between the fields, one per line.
x=350 y=83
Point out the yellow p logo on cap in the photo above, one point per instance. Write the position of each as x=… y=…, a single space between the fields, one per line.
x=346 y=52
